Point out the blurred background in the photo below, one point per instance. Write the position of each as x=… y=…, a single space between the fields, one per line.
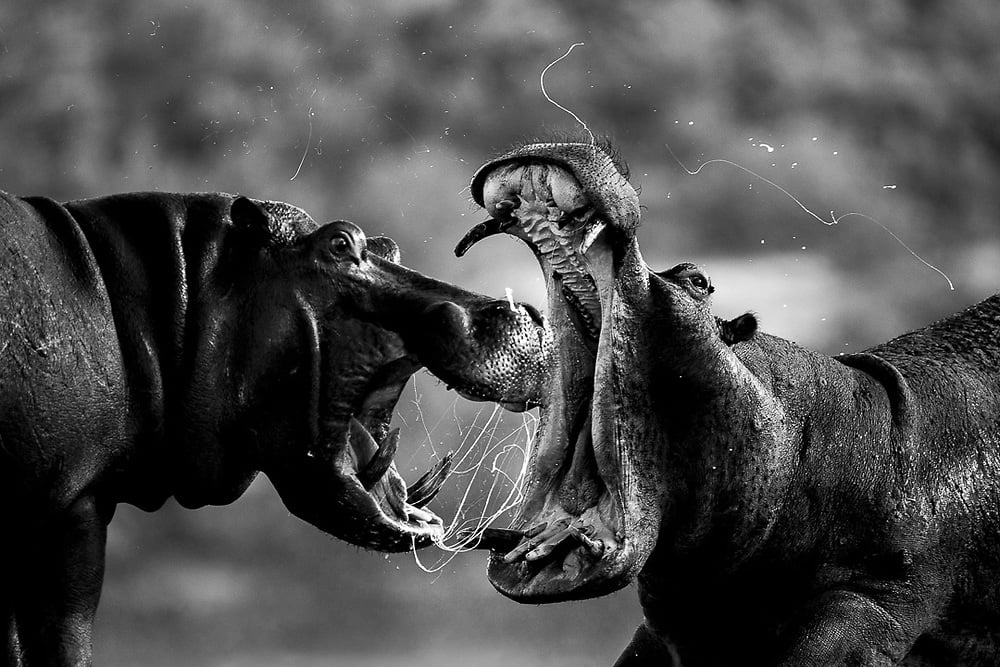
x=379 y=112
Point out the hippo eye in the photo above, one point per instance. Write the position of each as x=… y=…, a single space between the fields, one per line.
x=340 y=243
x=699 y=281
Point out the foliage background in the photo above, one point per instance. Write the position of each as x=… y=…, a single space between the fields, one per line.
x=382 y=110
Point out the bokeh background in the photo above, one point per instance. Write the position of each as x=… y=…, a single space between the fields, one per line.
x=379 y=112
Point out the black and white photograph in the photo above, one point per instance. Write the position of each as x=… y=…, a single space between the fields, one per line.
x=433 y=333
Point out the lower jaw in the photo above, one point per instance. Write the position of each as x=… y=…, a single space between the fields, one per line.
x=600 y=562
x=574 y=575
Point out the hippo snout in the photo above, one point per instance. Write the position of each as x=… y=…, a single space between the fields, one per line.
x=488 y=350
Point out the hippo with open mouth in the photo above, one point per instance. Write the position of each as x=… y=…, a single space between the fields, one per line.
x=156 y=345
x=776 y=506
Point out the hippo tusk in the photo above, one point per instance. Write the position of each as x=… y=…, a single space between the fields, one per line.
x=594 y=546
x=494 y=539
x=376 y=468
x=537 y=538
x=546 y=548
x=542 y=540
x=590 y=235
x=487 y=227
x=424 y=489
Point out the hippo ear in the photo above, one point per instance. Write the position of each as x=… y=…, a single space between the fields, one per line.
x=270 y=223
x=739 y=329
x=384 y=247
x=251 y=220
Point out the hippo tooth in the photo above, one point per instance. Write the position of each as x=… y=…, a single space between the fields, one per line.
x=363 y=445
x=376 y=468
x=424 y=489
x=515 y=407
x=595 y=547
x=536 y=530
x=548 y=546
x=487 y=227
x=494 y=539
x=417 y=514
x=530 y=545
x=590 y=235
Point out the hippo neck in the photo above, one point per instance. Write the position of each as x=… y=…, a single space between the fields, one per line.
x=766 y=438
x=157 y=254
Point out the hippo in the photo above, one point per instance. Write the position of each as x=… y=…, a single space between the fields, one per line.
x=158 y=345
x=776 y=506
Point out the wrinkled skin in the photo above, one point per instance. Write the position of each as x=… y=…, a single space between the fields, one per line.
x=156 y=345
x=777 y=506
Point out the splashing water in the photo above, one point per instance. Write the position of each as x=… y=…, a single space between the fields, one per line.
x=485 y=456
x=834 y=218
x=495 y=454
x=541 y=83
x=305 y=151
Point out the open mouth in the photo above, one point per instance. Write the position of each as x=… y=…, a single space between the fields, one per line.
x=372 y=450
x=582 y=529
x=348 y=485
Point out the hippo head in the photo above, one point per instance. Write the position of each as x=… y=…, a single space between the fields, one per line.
x=596 y=492
x=329 y=335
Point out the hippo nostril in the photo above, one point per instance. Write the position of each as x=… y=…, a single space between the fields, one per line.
x=448 y=316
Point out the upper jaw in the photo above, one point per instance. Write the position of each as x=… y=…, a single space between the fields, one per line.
x=601 y=180
x=584 y=530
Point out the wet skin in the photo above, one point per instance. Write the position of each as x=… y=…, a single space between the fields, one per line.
x=156 y=345
x=776 y=506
